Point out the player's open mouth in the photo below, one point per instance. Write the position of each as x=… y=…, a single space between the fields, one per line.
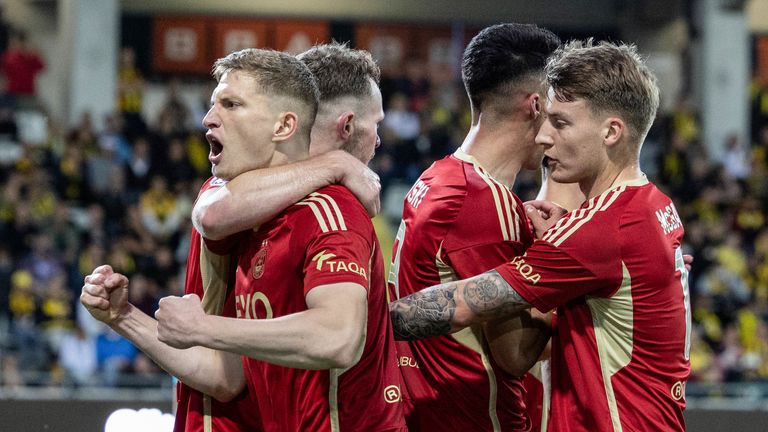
x=216 y=148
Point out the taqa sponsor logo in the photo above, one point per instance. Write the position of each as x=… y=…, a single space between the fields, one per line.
x=325 y=263
x=668 y=218
x=525 y=269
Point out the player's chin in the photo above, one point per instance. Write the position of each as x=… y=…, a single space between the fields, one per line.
x=219 y=171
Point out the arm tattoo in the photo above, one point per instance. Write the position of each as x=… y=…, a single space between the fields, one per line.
x=431 y=311
x=423 y=314
x=490 y=296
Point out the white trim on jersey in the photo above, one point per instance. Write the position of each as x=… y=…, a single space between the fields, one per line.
x=326 y=211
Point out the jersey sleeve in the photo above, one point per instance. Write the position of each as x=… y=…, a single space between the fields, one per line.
x=226 y=246
x=337 y=257
x=337 y=236
x=473 y=260
x=579 y=256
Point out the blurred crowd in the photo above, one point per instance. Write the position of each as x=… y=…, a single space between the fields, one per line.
x=119 y=190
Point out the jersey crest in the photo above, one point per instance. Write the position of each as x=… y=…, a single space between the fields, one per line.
x=259 y=260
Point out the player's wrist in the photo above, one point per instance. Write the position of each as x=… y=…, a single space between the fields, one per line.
x=123 y=317
x=201 y=333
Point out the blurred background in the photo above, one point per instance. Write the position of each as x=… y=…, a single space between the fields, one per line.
x=102 y=154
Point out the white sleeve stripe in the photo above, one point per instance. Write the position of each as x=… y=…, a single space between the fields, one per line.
x=568 y=228
x=326 y=211
x=505 y=232
x=602 y=204
x=336 y=209
x=318 y=216
x=502 y=211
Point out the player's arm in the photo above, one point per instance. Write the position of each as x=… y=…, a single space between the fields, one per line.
x=329 y=334
x=216 y=373
x=449 y=307
x=257 y=196
x=517 y=343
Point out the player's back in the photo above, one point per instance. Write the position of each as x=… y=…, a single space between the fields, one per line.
x=327 y=238
x=457 y=222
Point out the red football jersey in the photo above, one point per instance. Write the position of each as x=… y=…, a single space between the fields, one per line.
x=457 y=222
x=327 y=238
x=614 y=271
x=207 y=276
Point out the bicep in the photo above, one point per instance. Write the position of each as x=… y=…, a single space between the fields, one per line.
x=342 y=304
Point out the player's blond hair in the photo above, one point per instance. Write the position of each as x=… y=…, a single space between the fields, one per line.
x=611 y=78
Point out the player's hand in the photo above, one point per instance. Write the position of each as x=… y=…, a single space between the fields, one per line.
x=105 y=294
x=688 y=260
x=359 y=179
x=543 y=215
x=178 y=319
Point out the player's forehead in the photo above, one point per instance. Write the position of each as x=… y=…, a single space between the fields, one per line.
x=235 y=83
x=559 y=108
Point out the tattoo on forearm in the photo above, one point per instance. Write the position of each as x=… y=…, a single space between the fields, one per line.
x=490 y=296
x=430 y=312
x=424 y=314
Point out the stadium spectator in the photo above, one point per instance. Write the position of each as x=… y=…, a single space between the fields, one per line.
x=77 y=356
x=21 y=64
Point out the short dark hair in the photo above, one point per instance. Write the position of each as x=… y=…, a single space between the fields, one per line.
x=504 y=55
x=340 y=70
x=610 y=78
x=277 y=74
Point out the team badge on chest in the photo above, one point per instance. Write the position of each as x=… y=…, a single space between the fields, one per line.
x=260 y=260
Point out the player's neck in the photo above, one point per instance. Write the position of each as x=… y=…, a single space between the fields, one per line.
x=289 y=154
x=496 y=149
x=609 y=178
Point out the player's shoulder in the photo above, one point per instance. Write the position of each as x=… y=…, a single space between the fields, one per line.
x=212 y=183
x=332 y=208
x=443 y=182
x=626 y=204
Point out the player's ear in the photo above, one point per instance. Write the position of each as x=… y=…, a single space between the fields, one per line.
x=286 y=125
x=345 y=125
x=613 y=129
x=534 y=102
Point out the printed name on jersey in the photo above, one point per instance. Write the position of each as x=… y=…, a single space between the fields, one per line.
x=326 y=212
x=669 y=219
x=324 y=263
x=253 y=306
x=525 y=269
x=417 y=193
